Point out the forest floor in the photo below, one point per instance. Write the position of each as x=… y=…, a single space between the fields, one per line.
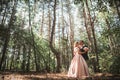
x=53 y=76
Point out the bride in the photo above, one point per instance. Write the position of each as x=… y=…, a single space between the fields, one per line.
x=78 y=67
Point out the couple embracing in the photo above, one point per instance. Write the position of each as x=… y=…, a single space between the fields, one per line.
x=78 y=67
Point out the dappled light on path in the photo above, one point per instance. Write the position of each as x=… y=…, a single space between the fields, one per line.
x=54 y=76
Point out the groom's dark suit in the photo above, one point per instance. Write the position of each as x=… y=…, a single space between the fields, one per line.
x=85 y=55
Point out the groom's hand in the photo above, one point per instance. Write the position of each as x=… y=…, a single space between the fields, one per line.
x=86 y=49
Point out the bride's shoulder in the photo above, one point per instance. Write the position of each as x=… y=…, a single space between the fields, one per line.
x=76 y=48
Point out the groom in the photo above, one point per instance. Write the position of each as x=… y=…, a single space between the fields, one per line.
x=85 y=49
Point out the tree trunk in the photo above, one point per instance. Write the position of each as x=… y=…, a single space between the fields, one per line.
x=117 y=4
x=23 y=66
x=49 y=30
x=3 y=20
x=28 y=60
x=33 y=41
x=92 y=41
x=56 y=53
x=71 y=29
x=49 y=27
x=89 y=38
x=87 y=30
x=41 y=28
x=4 y=50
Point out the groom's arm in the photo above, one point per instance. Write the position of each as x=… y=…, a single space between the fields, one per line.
x=86 y=49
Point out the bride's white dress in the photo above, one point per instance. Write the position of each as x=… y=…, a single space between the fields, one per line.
x=78 y=67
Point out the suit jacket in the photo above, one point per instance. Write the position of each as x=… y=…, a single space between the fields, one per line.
x=85 y=55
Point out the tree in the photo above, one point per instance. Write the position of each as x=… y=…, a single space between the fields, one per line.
x=57 y=54
x=7 y=37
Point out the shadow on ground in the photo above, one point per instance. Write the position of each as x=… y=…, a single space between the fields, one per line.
x=54 y=76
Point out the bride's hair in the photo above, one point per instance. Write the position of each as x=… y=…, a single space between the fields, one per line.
x=76 y=43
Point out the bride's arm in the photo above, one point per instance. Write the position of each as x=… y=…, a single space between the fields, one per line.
x=79 y=52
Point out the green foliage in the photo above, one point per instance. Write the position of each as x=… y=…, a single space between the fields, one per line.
x=109 y=59
x=45 y=52
x=109 y=62
x=77 y=1
x=105 y=60
x=115 y=66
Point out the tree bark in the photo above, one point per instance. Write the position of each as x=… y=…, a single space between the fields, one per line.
x=33 y=41
x=3 y=19
x=49 y=27
x=23 y=66
x=56 y=53
x=71 y=29
x=41 y=28
x=4 y=50
x=28 y=58
x=117 y=5
x=92 y=31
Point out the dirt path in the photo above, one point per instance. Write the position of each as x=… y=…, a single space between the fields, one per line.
x=53 y=76
x=33 y=76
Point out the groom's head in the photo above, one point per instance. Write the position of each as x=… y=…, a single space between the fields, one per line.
x=81 y=42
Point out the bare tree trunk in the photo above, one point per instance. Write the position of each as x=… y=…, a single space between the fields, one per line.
x=63 y=28
x=49 y=30
x=91 y=33
x=49 y=27
x=1 y=7
x=33 y=41
x=18 y=57
x=41 y=28
x=3 y=20
x=71 y=29
x=4 y=50
x=23 y=66
x=56 y=53
x=59 y=36
x=89 y=38
x=28 y=60
x=87 y=29
x=117 y=4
